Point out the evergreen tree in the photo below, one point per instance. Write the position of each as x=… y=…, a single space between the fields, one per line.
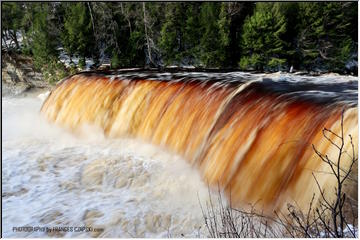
x=27 y=23
x=77 y=37
x=192 y=34
x=106 y=30
x=224 y=34
x=214 y=40
x=119 y=37
x=237 y=12
x=262 y=43
x=44 y=43
x=290 y=11
x=261 y=36
x=326 y=38
x=152 y=18
x=11 y=19
x=172 y=33
x=136 y=42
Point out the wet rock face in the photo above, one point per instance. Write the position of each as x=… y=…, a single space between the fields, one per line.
x=18 y=76
x=13 y=82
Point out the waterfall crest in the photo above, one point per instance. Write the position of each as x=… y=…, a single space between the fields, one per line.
x=253 y=138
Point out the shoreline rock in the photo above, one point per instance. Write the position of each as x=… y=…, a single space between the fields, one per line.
x=18 y=76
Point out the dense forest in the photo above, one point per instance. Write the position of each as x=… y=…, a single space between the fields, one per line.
x=312 y=36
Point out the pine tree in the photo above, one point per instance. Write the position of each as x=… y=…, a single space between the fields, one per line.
x=172 y=40
x=262 y=43
x=290 y=11
x=214 y=40
x=152 y=18
x=77 y=37
x=27 y=30
x=119 y=34
x=326 y=38
x=11 y=22
x=135 y=50
x=44 y=43
x=261 y=36
x=224 y=34
x=192 y=34
x=237 y=12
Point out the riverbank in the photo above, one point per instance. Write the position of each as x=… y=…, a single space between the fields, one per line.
x=20 y=77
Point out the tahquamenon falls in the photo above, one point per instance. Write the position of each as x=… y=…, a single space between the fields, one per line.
x=251 y=135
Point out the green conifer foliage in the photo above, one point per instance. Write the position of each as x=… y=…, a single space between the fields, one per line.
x=325 y=38
x=172 y=32
x=214 y=40
x=77 y=37
x=192 y=33
x=44 y=43
x=11 y=21
x=262 y=44
x=315 y=36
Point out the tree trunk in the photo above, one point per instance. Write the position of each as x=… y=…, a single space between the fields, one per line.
x=14 y=38
x=147 y=36
x=16 y=41
x=95 y=54
x=92 y=18
x=126 y=16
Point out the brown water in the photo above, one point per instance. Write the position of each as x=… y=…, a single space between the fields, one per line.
x=251 y=134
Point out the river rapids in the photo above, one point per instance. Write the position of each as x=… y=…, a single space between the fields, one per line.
x=126 y=185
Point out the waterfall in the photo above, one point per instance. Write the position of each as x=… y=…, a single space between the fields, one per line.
x=251 y=137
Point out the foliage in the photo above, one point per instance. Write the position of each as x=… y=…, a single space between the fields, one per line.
x=172 y=32
x=54 y=71
x=253 y=36
x=326 y=34
x=115 y=61
x=262 y=43
x=11 y=21
x=214 y=39
x=77 y=37
x=43 y=43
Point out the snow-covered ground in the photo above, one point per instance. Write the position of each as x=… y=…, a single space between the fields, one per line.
x=9 y=42
x=64 y=58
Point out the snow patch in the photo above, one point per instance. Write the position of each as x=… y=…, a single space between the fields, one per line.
x=9 y=42
x=64 y=58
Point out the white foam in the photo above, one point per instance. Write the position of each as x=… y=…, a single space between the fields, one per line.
x=44 y=95
x=129 y=188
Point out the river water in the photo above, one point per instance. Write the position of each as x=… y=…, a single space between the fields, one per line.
x=52 y=178
x=118 y=187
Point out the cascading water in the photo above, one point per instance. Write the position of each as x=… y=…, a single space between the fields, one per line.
x=126 y=187
x=250 y=134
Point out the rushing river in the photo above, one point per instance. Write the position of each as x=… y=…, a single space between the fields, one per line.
x=128 y=188
x=124 y=187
